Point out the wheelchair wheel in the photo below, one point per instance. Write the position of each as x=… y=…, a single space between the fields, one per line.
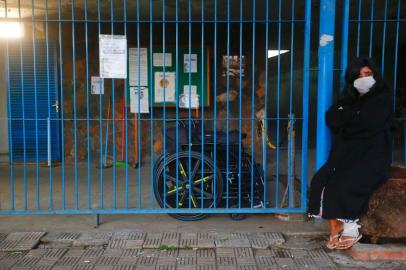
x=193 y=189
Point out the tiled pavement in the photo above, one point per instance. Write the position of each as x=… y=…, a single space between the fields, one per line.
x=137 y=250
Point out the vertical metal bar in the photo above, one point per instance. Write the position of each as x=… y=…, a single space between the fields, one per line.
x=395 y=77
x=305 y=113
x=344 y=43
x=325 y=75
x=265 y=120
x=177 y=105
x=62 y=104
x=126 y=116
x=189 y=109
x=101 y=121
x=74 y=105
x=113 y=109
x=215 y=105
x=164 y=90
x=49 y=106
x=87 y=114
x=228 y=105
x=139 y=106
x=384 y=38
x=253 y=101
x=278 y=100
x=23 y=111
x=240 y=113
x=202 y=116
x=371 y=29
x=291 y=142
x=359 y=24
x=152 y=107
x=35 y=105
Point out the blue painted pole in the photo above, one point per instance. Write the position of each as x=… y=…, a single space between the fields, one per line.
x=325 y=75
x=344 y=43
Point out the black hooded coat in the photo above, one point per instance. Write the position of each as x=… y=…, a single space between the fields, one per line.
x=360 y=157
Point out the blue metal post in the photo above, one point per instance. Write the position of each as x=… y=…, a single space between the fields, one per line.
x=344 y=42
x=325 y=75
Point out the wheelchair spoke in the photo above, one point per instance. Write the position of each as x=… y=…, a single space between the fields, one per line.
x=183 y=198
x=197 y=165
x=173 y=179
x=206 y=194
x=173 y=191
x=204 y=179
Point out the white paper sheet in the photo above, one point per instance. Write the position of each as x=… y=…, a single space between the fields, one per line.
x=143 y=66
x=143 y=98
x=158 y=59
x=185 y=100
x=97 y=86
x=192 y=89
x=168 y=82
x=193 y=63
x=113 y=56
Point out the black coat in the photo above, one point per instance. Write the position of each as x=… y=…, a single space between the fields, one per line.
x=360 y=157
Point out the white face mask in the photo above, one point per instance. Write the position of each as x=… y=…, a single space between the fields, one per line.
x=364 y=84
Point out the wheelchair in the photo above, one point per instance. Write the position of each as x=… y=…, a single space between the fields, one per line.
x=201 y=175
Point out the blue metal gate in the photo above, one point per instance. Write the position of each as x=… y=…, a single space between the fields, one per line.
x=214 y=115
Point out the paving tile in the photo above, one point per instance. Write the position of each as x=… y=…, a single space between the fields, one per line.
x=152 y=240
x=93 y=239
x=225 y=252
x=226 y=267
x=90 y=252
x=47 y=261
x=113 y=252
x=75 y=252
x=88 y=260
x=187 y=253
x=206 y=240
x=131 y=253
x=188 y=240
x=41 y=267
x=60 y=237
x=62 y=267
x=145 y=267
x=206 y=267
x=25 y=236
x=149 y=253
x=266 y=261
x=247 y=267
x=103 y=267
x=169 y=253
x=82 y=267
x=170 y=239
x=167 y=261
x=124 y=267
x=55 y=253
x=281 y=253
x=259 y=243
x=243 y=252
x=274 y=238
x=108 y=260
x=129 y=235
x=221 y=260
x=28 y=261
x=127 y=261
x=67 y=261
x=240 y=242
x=147 y=261
x=165 y=267
x=186 y=261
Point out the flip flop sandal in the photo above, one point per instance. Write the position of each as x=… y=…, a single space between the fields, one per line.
x=333 y=241
x=348 y=243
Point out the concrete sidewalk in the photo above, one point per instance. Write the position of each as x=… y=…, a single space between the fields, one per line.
x=160 y=242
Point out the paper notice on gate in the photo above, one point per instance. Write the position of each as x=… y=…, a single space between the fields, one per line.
x=97 y=86
x=138 y=66
x=164 y=87
x=158 y=59
x=139 y=99
x=190 y=63
x=113 y=56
